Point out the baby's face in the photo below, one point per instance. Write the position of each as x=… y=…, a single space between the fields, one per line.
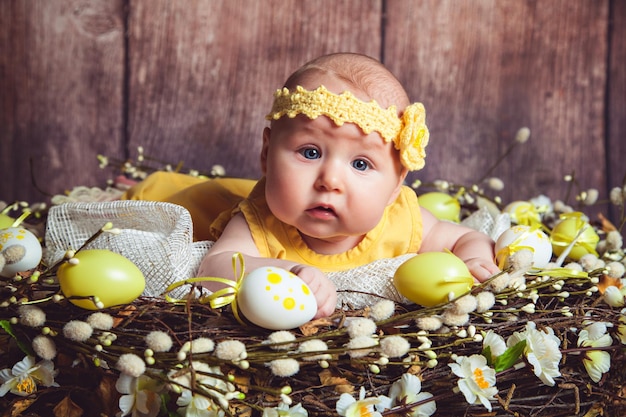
x=330 y=182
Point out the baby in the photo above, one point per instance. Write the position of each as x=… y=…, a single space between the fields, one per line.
x=342 y=138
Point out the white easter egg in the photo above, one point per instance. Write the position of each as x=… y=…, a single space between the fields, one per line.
x=275 y=299
x=521 y=237
x=21 y=250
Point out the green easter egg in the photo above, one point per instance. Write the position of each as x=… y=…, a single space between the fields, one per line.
x=443 y=206
x=428 y=278
x=111 y=277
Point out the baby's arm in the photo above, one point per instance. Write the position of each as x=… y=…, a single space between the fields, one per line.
x=237 y=238
x=475 y=248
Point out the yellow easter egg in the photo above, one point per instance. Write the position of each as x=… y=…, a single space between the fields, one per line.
x=276 y=299
x=21 y=250
x=111 y=277
x=521 y=237
x=522 y=212
x=443 y=206
x=566 y=230
x=6 y=221
x=429 y=278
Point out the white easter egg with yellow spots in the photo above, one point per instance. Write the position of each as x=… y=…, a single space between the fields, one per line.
x=521 y=237
x=275 y=299
x=21 y=250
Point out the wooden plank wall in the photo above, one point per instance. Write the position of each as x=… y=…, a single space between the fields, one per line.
x=191 y=81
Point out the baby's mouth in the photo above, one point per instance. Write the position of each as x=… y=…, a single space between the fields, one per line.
x=322 y=211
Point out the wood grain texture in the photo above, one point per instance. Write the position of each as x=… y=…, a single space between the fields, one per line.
x=191 y=81
x=202 y=73
x=616 y=98
x=61 y=103
x=487 y=68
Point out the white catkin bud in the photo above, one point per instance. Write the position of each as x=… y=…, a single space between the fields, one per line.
x=522 y=135
x=616 y=196
x=591 y=197
x=495 y=184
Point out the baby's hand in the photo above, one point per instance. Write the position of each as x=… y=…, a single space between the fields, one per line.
x=323 y=289
x=482 y=268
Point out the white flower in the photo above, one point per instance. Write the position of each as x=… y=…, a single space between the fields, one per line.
x=613 y=296
x=542 y=351
x=597 y=362
x=140 y=396
x=206 y=378
x=495 y=343
x=406 y=391
x=283 y=410
x=196 y=405
x=23 y=378
x=347 y=406
x=477 y=380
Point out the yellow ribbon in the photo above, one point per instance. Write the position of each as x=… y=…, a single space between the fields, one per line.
x=515 y=246
x=529 y=215
x=558 y=272
x=219 y=298
x=559 y=239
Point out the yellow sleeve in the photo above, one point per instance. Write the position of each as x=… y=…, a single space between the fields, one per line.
x=205 y=199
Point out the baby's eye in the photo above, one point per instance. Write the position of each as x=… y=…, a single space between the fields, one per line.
x=360 y=164
x=310 y=153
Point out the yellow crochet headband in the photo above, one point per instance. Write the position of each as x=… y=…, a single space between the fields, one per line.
x=408 y=133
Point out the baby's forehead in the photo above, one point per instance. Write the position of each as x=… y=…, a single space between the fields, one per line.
x=367 y=87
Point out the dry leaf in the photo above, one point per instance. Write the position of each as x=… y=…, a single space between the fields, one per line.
x=607 y=226
x=242 y=381
x=123 y=313
x=67 y=408
x=108 y=395
x=595 y=411
x=18 y=407
x=607 y=281
x=313 y=327
x=342 y=385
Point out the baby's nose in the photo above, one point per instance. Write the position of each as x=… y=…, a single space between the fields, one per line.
x=330 y=178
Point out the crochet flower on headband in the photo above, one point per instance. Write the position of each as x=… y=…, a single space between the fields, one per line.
x=408 y=133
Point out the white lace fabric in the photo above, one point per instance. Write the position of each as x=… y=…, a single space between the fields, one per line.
x=157 y=237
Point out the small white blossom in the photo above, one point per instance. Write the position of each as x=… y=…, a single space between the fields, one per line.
x=613 y=296
x=283 y=410
x=542 y=351
x=140 y=396
x=406 y=390
x=495 y=343
x=347 y=406
x=25 y=375
x=477 y=380
x=596 y=362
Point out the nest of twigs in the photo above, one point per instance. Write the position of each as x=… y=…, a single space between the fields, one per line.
x=87 y=374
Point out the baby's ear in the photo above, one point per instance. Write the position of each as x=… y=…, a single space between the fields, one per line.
x=396 y=191
x=267 y=132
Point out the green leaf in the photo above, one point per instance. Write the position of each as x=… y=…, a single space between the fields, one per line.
x=510 y=356
x=487 y=354
x=6 y=326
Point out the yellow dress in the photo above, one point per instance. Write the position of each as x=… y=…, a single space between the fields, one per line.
x=213 y=202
